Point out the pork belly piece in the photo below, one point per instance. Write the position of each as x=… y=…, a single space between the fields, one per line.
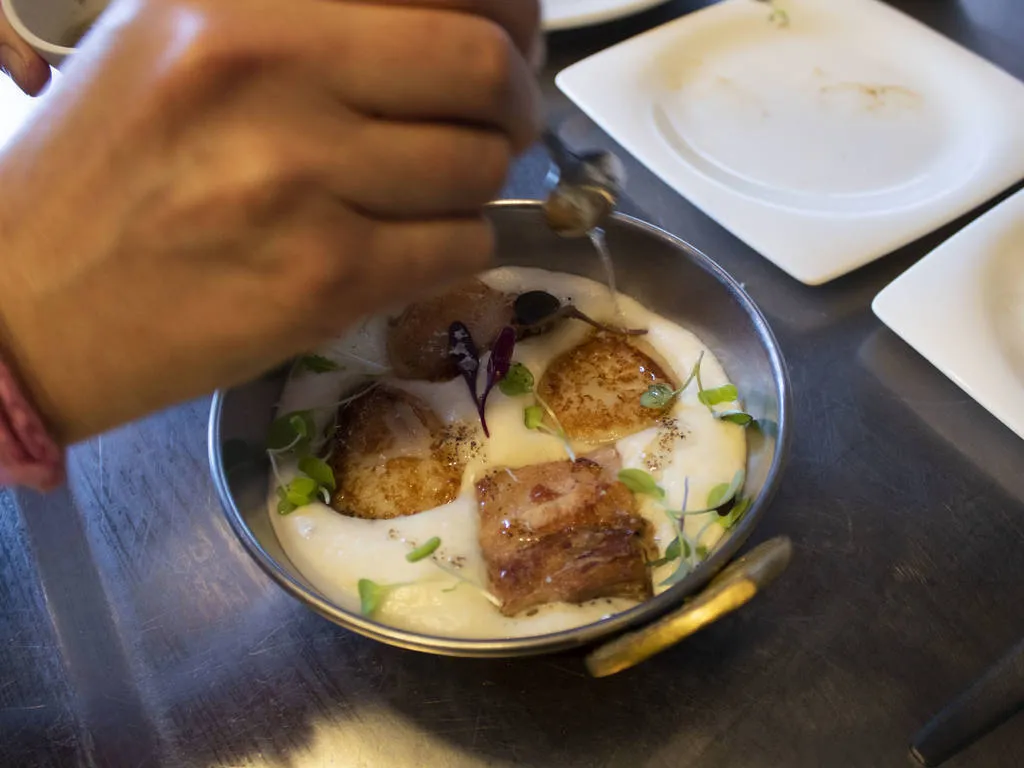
x=418 y=338
x=595 y=388
x=562 y=531
x=392 y=456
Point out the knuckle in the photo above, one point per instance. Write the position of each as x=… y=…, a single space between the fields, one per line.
x=489 y=57
x=494 y=158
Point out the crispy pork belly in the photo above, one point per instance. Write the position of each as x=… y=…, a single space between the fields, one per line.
x=392 y=456
x=594 y=389
x=562 y=531
x=418 y=338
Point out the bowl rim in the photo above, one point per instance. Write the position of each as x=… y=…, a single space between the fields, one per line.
x=643 y=613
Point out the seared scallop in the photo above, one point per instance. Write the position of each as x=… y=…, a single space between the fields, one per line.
x=594 y=389
x=418 y=338
x=392 y=456
x=562 y=531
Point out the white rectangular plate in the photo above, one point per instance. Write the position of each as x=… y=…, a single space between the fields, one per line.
x=569 y=14
x=824 y=142
x=962 y=308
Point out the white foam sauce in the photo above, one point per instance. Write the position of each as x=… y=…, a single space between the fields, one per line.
x=334 y=552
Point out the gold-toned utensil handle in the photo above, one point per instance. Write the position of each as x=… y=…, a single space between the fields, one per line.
x=731 y=589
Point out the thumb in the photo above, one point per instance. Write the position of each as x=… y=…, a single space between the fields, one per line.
x=24 y=66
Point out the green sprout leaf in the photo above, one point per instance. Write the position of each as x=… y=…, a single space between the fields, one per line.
x=727 y=393
x=657 y=396
x=317 y=364
x=302 y=491
x=735 y=417
x=371 y=596
x=661 y=395
x=722 y=494
x=735 y=514
x=318 y=470
x=680 y=573
x=533 y=417
x=639 y=481
x=702 y=551
x=284 y=506
x=683 y=569
x=518 y=381
x=291 y=432
x=424 y=550
x=672 y=552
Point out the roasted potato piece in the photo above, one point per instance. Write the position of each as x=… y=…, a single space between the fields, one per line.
x=418 y=338
x=594 y=389
x=562 y=531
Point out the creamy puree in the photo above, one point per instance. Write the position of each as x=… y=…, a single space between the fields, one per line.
x=334 y=551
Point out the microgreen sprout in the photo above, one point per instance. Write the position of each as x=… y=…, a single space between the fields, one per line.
x=639 y=481
x=372 y=595
x=735 y=417
x=518 y=381
x=424 y=550
x=318 y=470
x=718 y=497
x=463 y=353
x=291 y=432
x=533 y=418
x=726 y=393
x=683 y=568
x=498 y=366
x=314 y=485
x=313 y=363
x=661 y=395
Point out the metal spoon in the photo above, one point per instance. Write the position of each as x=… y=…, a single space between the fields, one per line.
x=584 y=188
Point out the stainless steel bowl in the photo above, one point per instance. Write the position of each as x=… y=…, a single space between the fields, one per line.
x=673 y=279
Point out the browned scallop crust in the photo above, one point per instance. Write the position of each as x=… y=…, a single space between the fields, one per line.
x=418 y=338
x=594 y=389
x=562 y=531
x=392 y=457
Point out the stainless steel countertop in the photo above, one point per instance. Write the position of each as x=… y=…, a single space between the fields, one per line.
x=136 y=632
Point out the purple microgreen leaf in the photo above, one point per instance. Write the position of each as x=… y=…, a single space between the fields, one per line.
x=463 y=354
x=497 y=367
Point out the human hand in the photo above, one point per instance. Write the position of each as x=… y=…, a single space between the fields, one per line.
x=17 y=59
x=216 y=186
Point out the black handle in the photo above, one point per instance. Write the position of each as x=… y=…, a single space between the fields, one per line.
x=991 y=701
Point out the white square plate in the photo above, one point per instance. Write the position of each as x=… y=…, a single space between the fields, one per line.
x=962 y=308
x=824 y=142
x=569 y=14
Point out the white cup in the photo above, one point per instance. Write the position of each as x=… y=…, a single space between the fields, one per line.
x=49 y=25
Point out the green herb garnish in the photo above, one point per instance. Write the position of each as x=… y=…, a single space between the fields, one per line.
x=726 y=393
x=661 y=395
x=735 y=417
x=426 y=549
x=291 y=432
x=318 y=470
x=683 y=569
x=735 y=514
x=722 y=494
x=533 y=418
x=639 y=481
x=317 y=364
x=658 y=396
x=674 y=550
x=298 y=493
x=518 y=381
x=371 y=596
